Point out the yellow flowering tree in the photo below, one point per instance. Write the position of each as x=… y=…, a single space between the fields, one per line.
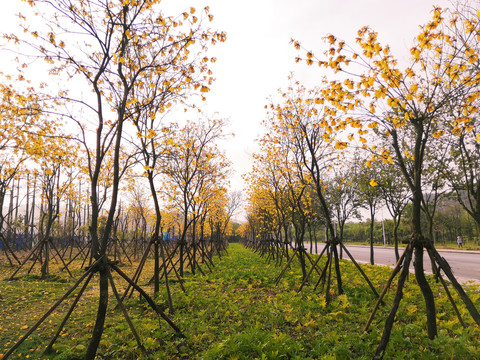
x=110 y=48
x=193 y=168
x=19 y=113
x=409 y=106
x=300 y=127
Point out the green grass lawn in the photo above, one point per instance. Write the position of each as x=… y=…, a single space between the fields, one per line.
x=237 y=312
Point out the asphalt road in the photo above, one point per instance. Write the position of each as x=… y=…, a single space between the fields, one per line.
x=465 y=264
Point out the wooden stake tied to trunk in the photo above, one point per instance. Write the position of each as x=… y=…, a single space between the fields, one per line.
x=415 y=250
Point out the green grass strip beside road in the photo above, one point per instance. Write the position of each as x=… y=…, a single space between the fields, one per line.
x=236 y=312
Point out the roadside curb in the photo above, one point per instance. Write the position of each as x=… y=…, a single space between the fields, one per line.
x=402 y=247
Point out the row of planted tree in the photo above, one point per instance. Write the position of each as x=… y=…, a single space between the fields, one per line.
x=355 y=191
x=98 y=162
x=43 y=202
x=115 y=71
x=373 y=133
x=450 y=222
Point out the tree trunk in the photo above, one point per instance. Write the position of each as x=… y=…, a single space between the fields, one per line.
x=372 y=222
x=337 y=269
x=101 y=313
x=156 y=274
x=44 y=269
x=396 y=223
x=426 y=291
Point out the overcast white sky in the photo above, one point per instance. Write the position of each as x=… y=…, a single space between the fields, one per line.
x=257 y=57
